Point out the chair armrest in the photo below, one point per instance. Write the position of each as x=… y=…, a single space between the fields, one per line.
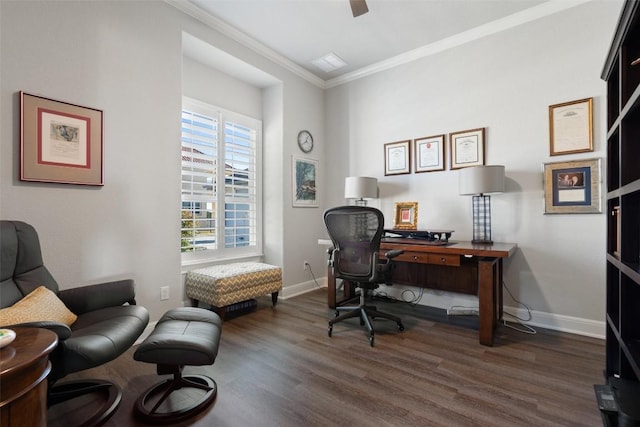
x=93 y=297
x=393 y=253
x=331 y=252
x=60 y=329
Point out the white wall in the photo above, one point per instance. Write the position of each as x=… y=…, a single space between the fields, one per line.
x=219 y=89
x=125 y=58
x=504 y=82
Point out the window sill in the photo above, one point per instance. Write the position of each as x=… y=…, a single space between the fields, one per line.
x=193 y=264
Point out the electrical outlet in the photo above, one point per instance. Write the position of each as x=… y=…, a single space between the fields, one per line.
x=164 y=293
x=306 y=265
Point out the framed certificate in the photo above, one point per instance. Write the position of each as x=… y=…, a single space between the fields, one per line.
x=397 y=158
x=429 y=153
x=467 y=148
x=571 y=127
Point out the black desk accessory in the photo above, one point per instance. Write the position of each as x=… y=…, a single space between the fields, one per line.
x=434 y=236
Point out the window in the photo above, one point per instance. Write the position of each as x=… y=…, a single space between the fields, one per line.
x=220 y=183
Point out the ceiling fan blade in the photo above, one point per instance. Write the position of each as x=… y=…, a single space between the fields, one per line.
x=358 y=7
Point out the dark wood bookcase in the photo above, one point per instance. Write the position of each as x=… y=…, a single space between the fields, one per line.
x=622 y=74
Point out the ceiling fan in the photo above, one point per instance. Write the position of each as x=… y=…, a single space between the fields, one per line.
x=358 y=7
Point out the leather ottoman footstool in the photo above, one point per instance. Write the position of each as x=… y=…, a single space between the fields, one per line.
x=183 y=336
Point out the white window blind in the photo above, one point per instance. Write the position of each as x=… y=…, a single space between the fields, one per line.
x=220 y=182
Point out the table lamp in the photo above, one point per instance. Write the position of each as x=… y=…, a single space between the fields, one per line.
x=478 y=181
x=360 y=188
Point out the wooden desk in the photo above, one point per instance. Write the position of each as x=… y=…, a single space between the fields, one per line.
x=461 y=267
x=24 y=366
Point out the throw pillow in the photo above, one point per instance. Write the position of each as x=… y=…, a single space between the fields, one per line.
x=40 y=305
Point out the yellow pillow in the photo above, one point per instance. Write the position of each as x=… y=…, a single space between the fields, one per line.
x=40 y=305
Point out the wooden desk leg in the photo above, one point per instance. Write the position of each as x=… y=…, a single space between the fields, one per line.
x=331 y=288
x=500 y=290
x=488 y=298
x=348 y=291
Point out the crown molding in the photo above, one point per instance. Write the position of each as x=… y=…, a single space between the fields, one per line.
x=545 y=9
x=233 y=33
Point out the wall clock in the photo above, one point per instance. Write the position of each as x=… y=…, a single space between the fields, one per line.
x=305 y=141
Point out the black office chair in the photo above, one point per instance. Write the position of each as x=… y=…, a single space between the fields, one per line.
x=356 y=232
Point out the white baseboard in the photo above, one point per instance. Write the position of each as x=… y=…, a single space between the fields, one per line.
x=560 y=322
x=302 y=288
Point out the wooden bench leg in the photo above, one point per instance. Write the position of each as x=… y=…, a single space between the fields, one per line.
x=194 y=302
x=274 y=298
x=220 y=311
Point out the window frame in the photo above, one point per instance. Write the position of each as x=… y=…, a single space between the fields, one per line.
x=221 y=252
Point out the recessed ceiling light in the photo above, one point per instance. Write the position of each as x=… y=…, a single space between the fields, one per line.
x=329 y=62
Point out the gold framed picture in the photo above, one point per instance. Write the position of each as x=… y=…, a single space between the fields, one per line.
x=406 y=217
x=571 y=127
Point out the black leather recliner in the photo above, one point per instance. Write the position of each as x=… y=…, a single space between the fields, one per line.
x=108 y=321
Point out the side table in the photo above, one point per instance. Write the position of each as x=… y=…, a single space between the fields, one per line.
x=24 y=366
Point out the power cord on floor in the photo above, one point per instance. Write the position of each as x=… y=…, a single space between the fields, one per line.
x=522 y=327
x=313 y=276
x=525 y=329
x=413 y=300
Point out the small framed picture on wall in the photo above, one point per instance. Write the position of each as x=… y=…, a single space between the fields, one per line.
x=572 y=187
x=304 y=174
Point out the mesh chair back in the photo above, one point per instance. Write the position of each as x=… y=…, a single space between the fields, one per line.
x=356 y=232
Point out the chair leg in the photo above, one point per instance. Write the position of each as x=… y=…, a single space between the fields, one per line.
x=375 y=313
x=274 y=298
x=347 y=315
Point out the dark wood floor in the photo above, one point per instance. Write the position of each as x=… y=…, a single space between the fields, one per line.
x=278 y=367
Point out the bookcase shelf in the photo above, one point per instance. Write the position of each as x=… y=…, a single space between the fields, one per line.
x=623 y=198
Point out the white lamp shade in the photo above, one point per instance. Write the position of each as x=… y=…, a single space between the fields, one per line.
x=481 y=180
x=360 y=187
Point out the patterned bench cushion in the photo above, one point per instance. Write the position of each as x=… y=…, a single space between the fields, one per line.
x=221 y=285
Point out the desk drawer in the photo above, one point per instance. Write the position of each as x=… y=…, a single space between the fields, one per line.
x=442 y=259
x=426 y=258
x=417 y=257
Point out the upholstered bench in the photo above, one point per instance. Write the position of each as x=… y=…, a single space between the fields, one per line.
x=182 y=336
x=223 y=285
